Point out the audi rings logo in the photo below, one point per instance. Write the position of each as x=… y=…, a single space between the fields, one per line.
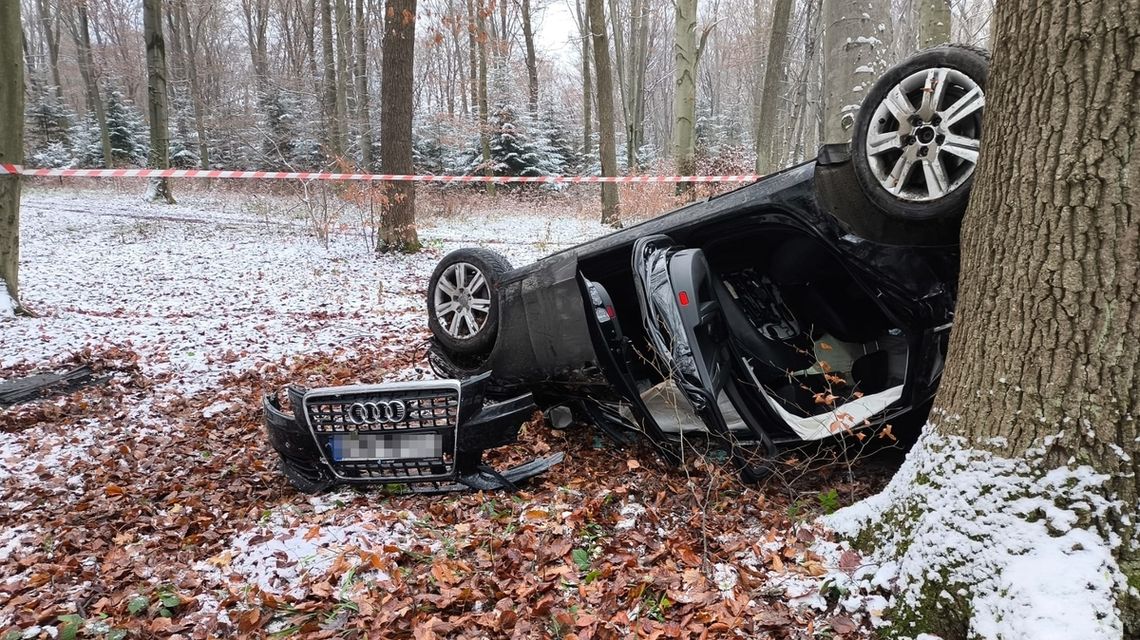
x=382 y=412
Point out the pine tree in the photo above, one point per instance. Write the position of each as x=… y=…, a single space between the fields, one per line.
x=128 y=132
x=48 y=124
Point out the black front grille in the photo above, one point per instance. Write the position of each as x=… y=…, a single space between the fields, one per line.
x=427 y=408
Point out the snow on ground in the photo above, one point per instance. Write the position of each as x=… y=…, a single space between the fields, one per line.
x=204 y=287
x=200 y=291
x=1004 y=538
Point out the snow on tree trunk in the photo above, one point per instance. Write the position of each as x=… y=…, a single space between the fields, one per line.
x=607 y=145
x=1015 y=514
x=399 y=217
x=933 y=23
x=158 y=189
x=767 y=132
x=856 y=42
x=11 y=149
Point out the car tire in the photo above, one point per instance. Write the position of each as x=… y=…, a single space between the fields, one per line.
x=915 y=158
x=463 y=300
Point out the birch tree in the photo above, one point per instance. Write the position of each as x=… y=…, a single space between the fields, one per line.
x=159 y=188
x=11 y=145
x=1032 y=454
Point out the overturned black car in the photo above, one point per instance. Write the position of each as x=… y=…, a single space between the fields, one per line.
x=812 y=302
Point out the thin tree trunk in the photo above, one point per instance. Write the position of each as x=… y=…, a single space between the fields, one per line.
x=607 y=146
x=685 y=88
x=363 y=112
x=484 y=108
x=933 y=23
x=531 y=60
x=11 y=146
x=767 y=132
x=473 y=51
x=159 y=189
x=334 y=138
x=82 y=36
x=398 y=232
x=587 y=81
x=343 y=54
x=191 y=47
x=639 y=65
x=619 y=65
x=50 y=27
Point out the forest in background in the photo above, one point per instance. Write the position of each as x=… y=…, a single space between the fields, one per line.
x=719 y=86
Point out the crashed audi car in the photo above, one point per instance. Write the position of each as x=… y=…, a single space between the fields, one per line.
x=815 y=301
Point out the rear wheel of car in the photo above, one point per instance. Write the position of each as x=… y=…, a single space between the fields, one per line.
x=463 y=304
x=917 y=134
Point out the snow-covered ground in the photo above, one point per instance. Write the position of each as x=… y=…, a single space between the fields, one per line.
x=207 y=287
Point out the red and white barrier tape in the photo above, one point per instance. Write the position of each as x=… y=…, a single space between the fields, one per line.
x=9 y=169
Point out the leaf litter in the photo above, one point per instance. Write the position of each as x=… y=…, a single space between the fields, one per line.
x=152 y=506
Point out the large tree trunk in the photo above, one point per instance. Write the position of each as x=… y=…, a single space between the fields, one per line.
x=767 y=132
x=933 y=23
x=11 y=146
x=531 y=59
x=607 y=146
x=1029 y=472
x=685 y=86
x=856 y=43
x=363 y=111
x=159 y=188
x=81 y=33
x=399 y=218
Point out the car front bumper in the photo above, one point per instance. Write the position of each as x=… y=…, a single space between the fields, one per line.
x=449 y=413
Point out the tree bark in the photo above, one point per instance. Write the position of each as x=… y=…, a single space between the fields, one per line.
x=363 y=110
x=11 y=145
x=531 y=59
x=767 y=132
x=1042 y=372
x=159 y=188
x=856 y=44
x=334 y=138
x=82 y=36
x=685 y=87
x=343 y=54
x=639 y=28
x=1049 y=303
x=933 y=23
x=398 y=231
x=607 y=146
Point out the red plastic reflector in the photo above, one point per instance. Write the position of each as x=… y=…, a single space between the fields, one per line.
x=610 y=312
x=683 y=298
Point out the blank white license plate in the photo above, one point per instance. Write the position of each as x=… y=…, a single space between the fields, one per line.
x=386 y=446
